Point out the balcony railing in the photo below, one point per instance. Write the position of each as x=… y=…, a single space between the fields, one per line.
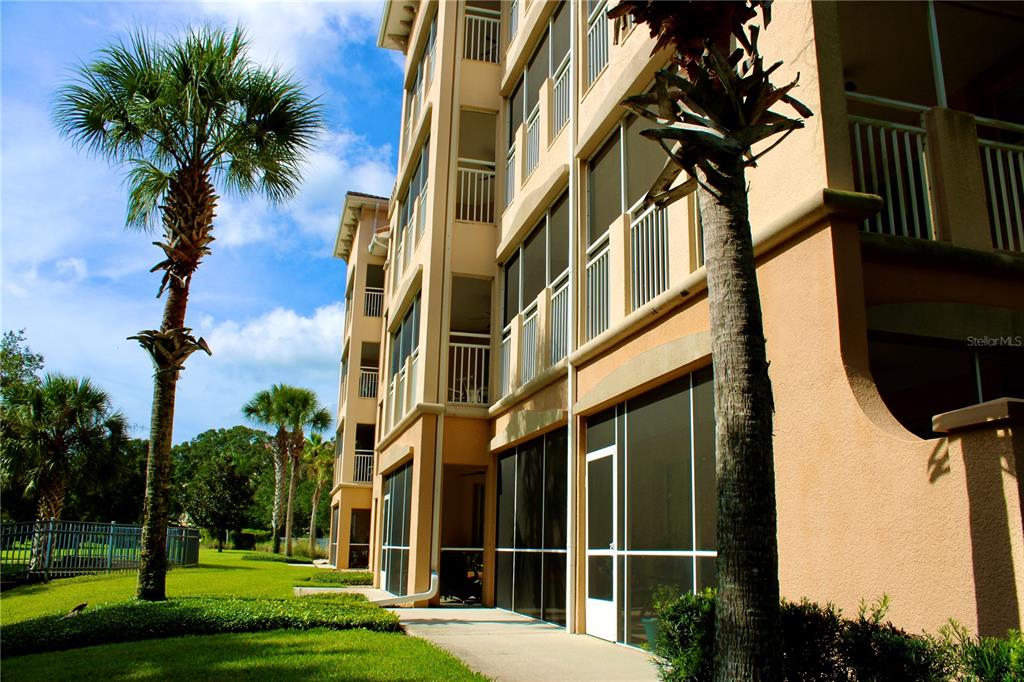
x=648 y=234
x=506 y=361
x=560 y=319
x=1003 y=168
x=362 y=470
x=597 y=41
x=483 y=34
x=469 y=362
x=597 y=287
x=513 y=19
x=510 y=175
x=528 y=346
x=475 y=188
x=890 y=161
x=367 y=382
x=532 y=141
x=562 y=103
x=373 y=302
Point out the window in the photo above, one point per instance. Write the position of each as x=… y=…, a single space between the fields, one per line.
x=405 y=339
x=531 y=531
x=412 y=196
x=540 y=261
x=662 y=475
x=604 y=188
x=395 y=526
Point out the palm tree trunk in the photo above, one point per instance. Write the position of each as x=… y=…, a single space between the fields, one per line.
x=48 y=510
x=280 y=458
x=155 y=515
x=293 y=484
x=747 y=618
x=312 y=519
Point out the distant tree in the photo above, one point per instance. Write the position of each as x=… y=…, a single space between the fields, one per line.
x=18 y=364
x=119 y=496
x=266 y=408
x=60 y=433
x=218 y=497
x=182 y=116
x=318 y=459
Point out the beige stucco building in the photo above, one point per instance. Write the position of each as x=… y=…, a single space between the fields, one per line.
x=542 y=428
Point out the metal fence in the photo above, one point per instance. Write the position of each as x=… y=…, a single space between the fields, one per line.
x=649 y=254
x=363 y=466
x=510 y=175
x=532 y=141
x=469 y=368
x=373 y=304
x=483 y=34
x=1003 y=168
x=597 y=41
x=562 y=104
x=367 y=382
x=597 y=287
x=560 y=319
x=474 y=200
x=56 y=549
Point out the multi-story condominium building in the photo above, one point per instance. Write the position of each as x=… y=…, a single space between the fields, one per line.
x=544 y=419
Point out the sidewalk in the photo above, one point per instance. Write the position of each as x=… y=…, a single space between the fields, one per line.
x=505 y=646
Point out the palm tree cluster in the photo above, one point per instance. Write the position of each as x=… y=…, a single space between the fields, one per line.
x=182 y=116
x=291 y=411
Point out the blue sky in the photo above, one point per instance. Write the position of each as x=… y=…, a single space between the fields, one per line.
x=270 y=298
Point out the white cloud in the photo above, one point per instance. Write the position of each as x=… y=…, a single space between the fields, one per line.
x=73 y=269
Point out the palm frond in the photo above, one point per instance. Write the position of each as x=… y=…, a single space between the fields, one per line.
x=147 y=187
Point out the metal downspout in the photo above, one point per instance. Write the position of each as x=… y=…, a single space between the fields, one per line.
x=571 y=430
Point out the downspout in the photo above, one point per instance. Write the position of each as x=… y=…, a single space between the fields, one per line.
x=570 y=563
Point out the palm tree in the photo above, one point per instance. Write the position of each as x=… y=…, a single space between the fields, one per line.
x=711 y=106
x=184 y=115
x=264 y=409
x=319 y=461
x=301 y=410
x=59 y=433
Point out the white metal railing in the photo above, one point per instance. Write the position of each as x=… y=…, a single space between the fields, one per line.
x=513 y=19
x=597 y=287
x=510 y=175
x=362 y=469
x=597 y=42
x=560 y=319
x=421 y=214
x=506 y=361
x=373 y=302
x=532 y=140
x=338 y=474
x=528 y=345
x=890 y=161
x=468 y=369
x=483 y=34
x=410 y=395
x=648 y=236
x=367 y=382
x=475 y=191
x=562 y=104
x=1003 y=168
x=397 y=396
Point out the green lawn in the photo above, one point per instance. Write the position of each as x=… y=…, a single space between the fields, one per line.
x=278 y=656
x=217 y=573
x=275 y=655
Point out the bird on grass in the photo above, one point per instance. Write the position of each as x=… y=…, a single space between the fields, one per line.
x=75 y=611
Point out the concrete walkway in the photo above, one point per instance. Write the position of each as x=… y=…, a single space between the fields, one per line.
x=505 y=646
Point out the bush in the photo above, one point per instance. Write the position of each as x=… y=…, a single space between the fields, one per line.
x=300 y=548
x=819 y=645
x=267 y=556
x=137 y=620
x=340 y=578
x=243 y=540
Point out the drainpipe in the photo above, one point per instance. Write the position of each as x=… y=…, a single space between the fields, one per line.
x=571 y=439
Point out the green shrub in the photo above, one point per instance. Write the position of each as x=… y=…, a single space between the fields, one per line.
x=300 y=548
x=243 y=540
x=819 y=645
x=267 y=556
x=138 y=620
x=340 y=578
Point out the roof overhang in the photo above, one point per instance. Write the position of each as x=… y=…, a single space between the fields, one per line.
x=354 y=203
x=396 y=24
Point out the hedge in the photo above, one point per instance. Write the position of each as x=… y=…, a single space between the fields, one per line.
x=137 y=620
x=340 y=578
x=267 y=556
x=819 y=645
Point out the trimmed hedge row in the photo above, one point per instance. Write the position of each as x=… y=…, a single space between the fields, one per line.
x=281 y=558
x=340 y=578
x=137 y=620
x=819 y=645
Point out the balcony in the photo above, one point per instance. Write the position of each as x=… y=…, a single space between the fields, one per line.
x=367 y=382
x=902 y=163
x=513 y=19
x=597 y=40
x=528 y=345
x=469 y=361
x=402 y=392
x=475 y=191
x=362 y=468
x=506 y=361
x=483 y=34
x=532 y=141
x=562 y=105
x=560 y=318
x=510 y=175
x=597 y=287
x=648 y=236
x=373 y=302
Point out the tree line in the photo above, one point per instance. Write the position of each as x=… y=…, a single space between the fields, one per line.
x=67 y=453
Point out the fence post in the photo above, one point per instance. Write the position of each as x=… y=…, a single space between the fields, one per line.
x=110 y=547
x=46 y=552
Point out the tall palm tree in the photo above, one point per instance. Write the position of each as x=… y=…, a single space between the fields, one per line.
x=319 y=466
x=301 y=410
x=183 y=115
x=711 y=106
x=59 y=433
x=264 y=409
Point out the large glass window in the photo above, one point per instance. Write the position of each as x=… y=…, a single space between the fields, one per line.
x=644 y=160
x=395 y=526
x=542 y=258
x=531 y=528
x=604 y=188
x=663 y=475
x=405 y=339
